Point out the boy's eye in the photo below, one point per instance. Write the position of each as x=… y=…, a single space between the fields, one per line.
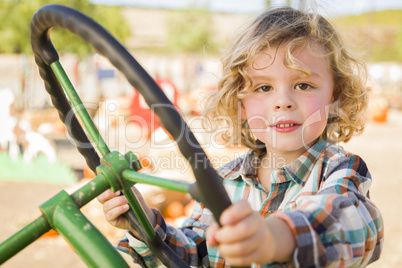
x=303 y=86
x=263 y=89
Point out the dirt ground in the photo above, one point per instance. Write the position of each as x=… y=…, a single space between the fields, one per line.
x=380 y=146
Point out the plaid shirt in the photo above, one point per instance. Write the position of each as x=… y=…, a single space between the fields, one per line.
x=322 y=196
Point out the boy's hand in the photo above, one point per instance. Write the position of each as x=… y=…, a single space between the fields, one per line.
x=115 y=205
x=246 y=238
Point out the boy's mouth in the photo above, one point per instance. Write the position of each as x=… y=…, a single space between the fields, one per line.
x=285 y=126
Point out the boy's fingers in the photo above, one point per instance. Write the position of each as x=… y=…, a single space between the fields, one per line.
x=244 y=260
x=239 y=231
x=114 y=213
x=240 y=248
x=210 y=235
x=236 y=212
x=114 y=203
x=106 y=195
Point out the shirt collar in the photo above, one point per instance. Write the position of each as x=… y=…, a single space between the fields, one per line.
x=298 y=170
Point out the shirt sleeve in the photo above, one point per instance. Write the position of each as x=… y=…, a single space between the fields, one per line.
x=188 y=242
x=339 y=226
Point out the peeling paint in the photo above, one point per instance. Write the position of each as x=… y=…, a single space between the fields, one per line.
x=87 y=227
x=93 y=184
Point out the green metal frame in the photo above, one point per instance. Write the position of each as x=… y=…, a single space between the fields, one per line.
x=79 y=108
x=62 y=212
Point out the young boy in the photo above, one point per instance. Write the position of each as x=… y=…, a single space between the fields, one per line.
x=292 y=92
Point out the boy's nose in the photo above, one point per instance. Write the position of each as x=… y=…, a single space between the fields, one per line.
x=282 y=107
x=284 y=102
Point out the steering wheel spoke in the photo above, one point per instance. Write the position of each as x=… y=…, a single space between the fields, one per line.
x=79 y=108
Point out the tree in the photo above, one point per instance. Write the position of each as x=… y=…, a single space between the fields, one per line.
x=189 y=30
x=15 y=18
x=268 y=3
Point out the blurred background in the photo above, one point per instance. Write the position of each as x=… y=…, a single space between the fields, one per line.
x=179 y=43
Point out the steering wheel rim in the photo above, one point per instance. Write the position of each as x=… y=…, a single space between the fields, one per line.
x=212 y=192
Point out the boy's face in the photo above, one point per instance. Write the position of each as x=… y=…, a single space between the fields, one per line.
x=285 y=110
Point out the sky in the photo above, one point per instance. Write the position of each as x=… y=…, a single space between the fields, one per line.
x=328 y=7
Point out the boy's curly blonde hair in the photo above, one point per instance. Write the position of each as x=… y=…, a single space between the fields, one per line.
x=294 y=29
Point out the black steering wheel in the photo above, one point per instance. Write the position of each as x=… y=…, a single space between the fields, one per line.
x=209 y=185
